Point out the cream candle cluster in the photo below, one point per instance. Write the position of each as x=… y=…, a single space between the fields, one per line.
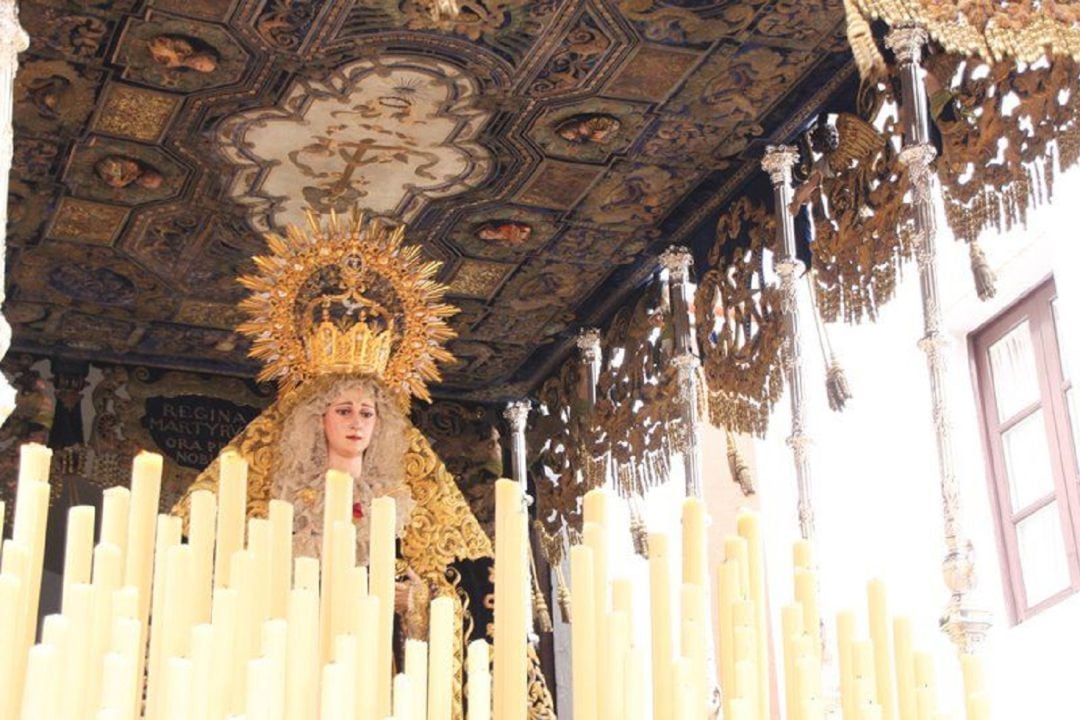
x=227 y=624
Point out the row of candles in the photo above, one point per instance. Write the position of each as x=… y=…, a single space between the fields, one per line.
x=227 y=624
x=882 y=677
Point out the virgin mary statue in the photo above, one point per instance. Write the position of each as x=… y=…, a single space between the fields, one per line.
x=350 y=323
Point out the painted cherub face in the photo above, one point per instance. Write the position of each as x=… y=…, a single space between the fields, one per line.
x=349 y=423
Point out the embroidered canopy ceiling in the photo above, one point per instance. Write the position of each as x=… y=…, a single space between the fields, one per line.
x=545 y=151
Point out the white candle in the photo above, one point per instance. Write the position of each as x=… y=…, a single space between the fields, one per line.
x=663 y=652
x=106 y=581
x=594 y=536
x=337 y=507
x=883 y=650
x=145 y=496
x=596 y=510
x=905 y=668
x=334 y=695
x=345 y=655
x=862 y=657
x=441 y=658
x=78 y=546
x=737 y=551
x=224 y=613
x=40 y=695
x=259 y=546
x=306 y=573
x=806 y=595
x=275 y=650
x=636 y=680
x=201 y=528
x=972 y=672
x=978 y=707
x=281 y=556
x=583 y=633
x=692 y=647
x=613 y=672
x=10 y=625
x=342 y=559
x=168 y=536
x=695 y=560
x=34 y=462
x=622 y=597
x=178 y=689
x=791 y=623
x=302 y=664
x=416 y=667
x=511 y=601
x=381 y=576
x=403 y=700
x=202 y=669
x=682 y=708
x=232 y=511
x=259 y=689
x=367 y=666
x=115 y=518
x=31 y=515
x=119 y=685
x=80 y=635
x=727 y=591
x=241 y=579
x=749 y=528
x=479 y=679
x=845 y=639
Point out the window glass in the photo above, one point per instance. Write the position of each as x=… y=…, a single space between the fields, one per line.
x=1027 y=461
x=1012 y=367
x=1042 y=554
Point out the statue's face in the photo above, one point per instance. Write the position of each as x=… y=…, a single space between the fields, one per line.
x=349 y=423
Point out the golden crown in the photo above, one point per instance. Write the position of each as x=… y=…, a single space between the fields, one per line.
x=347 y=297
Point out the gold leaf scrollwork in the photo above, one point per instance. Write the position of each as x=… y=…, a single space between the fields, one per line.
x=739 y=323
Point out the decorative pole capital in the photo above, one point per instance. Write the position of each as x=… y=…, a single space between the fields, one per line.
x=517 y=414
x=907 y=41
x=588 y=343
x=778 y=161
x=677 y=260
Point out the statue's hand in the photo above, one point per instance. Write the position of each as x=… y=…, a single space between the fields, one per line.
x=402 y=594
x=404 y=591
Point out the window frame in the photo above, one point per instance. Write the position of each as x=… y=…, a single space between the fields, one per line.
x=1036 y=307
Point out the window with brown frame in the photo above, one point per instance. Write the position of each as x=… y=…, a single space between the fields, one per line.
x=1028 y=411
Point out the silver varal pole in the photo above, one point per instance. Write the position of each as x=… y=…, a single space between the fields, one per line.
x=13 y=40
x=677 y=261
x=588 y=345
x=517 y=414
x=965 y=625
x=778 y=162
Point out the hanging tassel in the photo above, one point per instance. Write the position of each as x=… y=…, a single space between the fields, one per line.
x=540 y=610
x=867 y=58
x=541 y=614
x=562 y=594
x=836 y=386
x=985 y=280
x=740 y=471
x=639 y=534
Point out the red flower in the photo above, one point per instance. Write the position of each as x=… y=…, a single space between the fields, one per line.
x=357 y=511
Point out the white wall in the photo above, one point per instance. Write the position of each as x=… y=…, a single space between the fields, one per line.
x=875 y=477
